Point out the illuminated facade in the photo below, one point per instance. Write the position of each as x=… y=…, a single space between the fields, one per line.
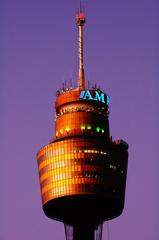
x=82 y=171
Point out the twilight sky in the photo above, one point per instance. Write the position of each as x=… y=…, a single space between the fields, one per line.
x=38 y=51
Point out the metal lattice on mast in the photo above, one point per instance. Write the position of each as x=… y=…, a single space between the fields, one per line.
x=80 y=20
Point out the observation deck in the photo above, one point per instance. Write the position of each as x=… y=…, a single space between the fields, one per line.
x=82 y=165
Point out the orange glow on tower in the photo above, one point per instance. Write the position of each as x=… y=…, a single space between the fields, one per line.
x=82 y=171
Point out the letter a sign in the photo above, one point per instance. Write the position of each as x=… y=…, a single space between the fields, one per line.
x=96 y=96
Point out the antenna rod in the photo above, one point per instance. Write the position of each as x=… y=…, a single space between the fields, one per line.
x=80 y=5
x=80 y=20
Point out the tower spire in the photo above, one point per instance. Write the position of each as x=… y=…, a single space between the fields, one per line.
x=80 y=20
x=80 y=5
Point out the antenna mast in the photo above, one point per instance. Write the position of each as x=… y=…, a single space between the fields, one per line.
x=80 y=20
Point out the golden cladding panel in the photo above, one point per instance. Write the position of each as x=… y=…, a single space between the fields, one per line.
x=67 y=97
x=59 y=172
x=76 y=119
x=71 y=189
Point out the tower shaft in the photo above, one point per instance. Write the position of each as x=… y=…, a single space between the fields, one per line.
x=83 y=232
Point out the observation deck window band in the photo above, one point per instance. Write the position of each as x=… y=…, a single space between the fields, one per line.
x=66 y=152
x=74 y=189
x=54 y=151
x=70 y=161
x=74 y=181
x=66 y=178
x=55 y=164
x=68 y=110
x=91 y=179
x=44 y=173
x=73 y=147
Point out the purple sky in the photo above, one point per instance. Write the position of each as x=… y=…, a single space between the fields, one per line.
x=38 y=51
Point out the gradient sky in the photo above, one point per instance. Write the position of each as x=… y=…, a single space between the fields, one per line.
x=38 y=51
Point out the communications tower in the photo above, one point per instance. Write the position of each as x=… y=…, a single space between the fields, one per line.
x=82 y=171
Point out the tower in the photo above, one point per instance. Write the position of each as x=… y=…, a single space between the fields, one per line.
x=82 y=171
